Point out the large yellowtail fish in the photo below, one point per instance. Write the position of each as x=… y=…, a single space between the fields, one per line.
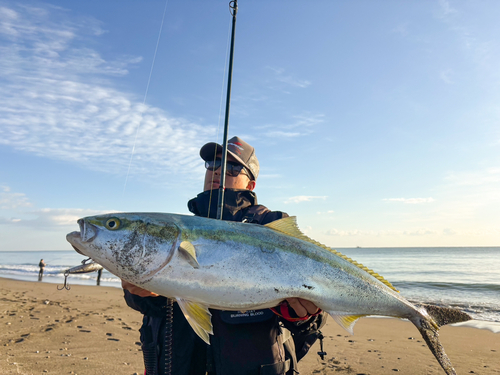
x=206 y=263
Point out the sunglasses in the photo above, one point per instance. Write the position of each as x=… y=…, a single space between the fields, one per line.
x=232 y=169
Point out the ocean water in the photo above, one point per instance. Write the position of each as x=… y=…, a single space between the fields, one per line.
x=463 y=277
x=23 y=265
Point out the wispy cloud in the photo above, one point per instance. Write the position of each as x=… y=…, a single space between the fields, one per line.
x=26 y=215
x=57 y=100
x=304 y=198
x=329 y=212
x=391 y=233
x=10 y=200
x=23 y=225
x=410 y=200
x=473 y=195
x=446 y=8
x=416 y=232
x=343 y=233
x=307 y=120
x=484 y=177
x=401 y=29
x=282 y=76
x=300 y=125
x=54 y=218
x=479 y=49
x=269 y=175
x=283 y=134
x=446 y=76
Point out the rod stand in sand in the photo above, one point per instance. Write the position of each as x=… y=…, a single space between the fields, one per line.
x=321 y=352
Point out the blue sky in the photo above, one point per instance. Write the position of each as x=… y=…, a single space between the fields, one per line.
x=376 y=123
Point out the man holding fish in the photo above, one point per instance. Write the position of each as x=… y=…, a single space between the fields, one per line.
x=226 y=275
x=243 y=342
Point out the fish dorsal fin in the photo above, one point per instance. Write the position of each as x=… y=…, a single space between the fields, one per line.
x=198 y=317
x=188 y=251
x=288 y=225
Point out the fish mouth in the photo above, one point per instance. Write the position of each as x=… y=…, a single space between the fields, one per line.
x=87 y=233
x=78 y=251
x=74 y=238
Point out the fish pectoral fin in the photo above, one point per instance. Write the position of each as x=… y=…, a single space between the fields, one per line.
x=198 y=317
x=188 y=251
x=346 y=321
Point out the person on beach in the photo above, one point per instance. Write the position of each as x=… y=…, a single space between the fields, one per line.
x=99 y=274
x=267 y=342
x=42 y=266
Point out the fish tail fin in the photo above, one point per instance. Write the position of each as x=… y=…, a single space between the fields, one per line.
x=428 y=322
x=445 y=315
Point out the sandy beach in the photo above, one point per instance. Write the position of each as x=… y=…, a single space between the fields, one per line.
x=90 y=330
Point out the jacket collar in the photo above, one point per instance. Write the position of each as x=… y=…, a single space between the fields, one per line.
x=235 y=200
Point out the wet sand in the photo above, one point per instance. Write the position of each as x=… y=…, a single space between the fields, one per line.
x=90 y=330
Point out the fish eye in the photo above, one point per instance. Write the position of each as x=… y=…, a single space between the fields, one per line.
x=113 y=223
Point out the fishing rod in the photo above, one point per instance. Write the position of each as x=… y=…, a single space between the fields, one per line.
x=169 y=313
x=233 y=9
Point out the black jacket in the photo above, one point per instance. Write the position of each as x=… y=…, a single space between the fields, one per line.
x=250 y=343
